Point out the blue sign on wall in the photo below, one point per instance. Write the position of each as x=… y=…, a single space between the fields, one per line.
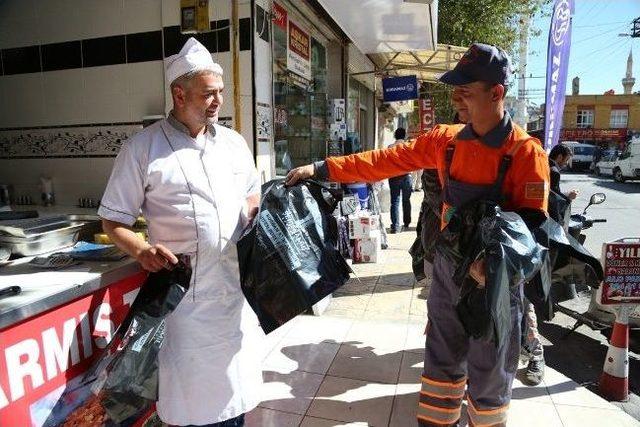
x=399 y=88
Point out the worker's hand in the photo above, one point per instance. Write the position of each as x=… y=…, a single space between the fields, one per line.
x=298 y=174
x=156 y=257
x=571 y=195
x=253 y=205
x=477 y=272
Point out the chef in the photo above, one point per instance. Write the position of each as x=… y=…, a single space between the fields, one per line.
x=197 y=187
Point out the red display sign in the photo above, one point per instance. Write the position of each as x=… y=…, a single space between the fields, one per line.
x=427 y=115
x=279 y=16
x=41 y=355
x=621 y=273
x=594 y=134
x=299 y=41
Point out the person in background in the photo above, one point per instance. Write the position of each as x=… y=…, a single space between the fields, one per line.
x=198 y=187
x=559 y=157
x=400 y=188
x=468 y=159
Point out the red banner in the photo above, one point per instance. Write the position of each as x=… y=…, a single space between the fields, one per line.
x=427 y=115
x=594 y=134
x=279 y=16
x=39 y=356
x=299 y=41
x=621 y=283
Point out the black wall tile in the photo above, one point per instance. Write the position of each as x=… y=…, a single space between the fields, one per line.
x=262 y=24
x=143 y=47
x=245 y=34
x=173 y=40
x=21 y=60
x=209 y=40
x=61 y=56
x=104 y=51
x=1 y=64
x=223 y=31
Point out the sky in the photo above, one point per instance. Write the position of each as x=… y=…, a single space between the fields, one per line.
x=598 y=54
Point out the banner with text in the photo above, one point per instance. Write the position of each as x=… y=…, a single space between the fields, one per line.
x=399 y=88
x=299 y=51
x=557 y=63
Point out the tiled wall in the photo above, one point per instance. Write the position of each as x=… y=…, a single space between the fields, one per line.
x=77 y=76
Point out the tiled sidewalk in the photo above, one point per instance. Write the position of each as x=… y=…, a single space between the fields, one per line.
x=359 y=364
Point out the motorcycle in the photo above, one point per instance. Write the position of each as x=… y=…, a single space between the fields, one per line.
x=575 y=283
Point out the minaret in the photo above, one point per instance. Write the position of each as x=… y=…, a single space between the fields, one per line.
x=628 y=81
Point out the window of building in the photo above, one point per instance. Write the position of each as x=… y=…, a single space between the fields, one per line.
x=619 y=118
x=300 y=107
x=584 y=119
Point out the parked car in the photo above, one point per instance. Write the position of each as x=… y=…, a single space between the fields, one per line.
x=606 y=163
x=582 y=155
x=627 y=166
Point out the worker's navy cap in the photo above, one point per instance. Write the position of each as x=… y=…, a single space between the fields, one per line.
x=481 y=62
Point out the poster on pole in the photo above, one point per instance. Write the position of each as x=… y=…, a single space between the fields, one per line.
x=621 y=284
x=558 y=49
x=299 y=51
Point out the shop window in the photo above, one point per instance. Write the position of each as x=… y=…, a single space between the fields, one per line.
x=584 y=119
x=619 y=118
x=353 y=117
x=300 y=107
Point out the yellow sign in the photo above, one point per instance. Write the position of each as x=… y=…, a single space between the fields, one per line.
x=194 y=16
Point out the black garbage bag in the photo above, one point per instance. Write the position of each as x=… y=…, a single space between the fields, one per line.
x=288 y=257
x=511 y=256
x=123 y=381
x=423 y=248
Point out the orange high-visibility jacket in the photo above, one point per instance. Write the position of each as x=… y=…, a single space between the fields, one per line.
x=526 y=184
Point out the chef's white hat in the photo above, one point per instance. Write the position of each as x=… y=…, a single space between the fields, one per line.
x=193 y=57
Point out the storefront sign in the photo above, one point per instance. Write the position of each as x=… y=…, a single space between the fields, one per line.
x=557 y=65
x=427 y=115
x=594 y=134
x=621 y=283
x=399 y=88
x=279 y=16
x=299 y=51
x=41 y=356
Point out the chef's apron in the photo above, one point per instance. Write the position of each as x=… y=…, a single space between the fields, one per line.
x=210 y=362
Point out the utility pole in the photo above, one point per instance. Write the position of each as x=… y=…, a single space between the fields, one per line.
x=522 y=116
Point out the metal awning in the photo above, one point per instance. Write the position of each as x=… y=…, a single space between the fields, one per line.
x=428 y=65
x=378 y=26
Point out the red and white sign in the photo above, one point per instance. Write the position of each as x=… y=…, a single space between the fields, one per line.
x=39 y=356
x=299 y=51
x=594 y=134
x=427 y=115
x=621 y=283
x=279 y=16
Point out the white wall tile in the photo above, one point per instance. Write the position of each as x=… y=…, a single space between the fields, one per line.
x=171 y=12
x=101 y=18
x=23 y=103
x=105 y=94
x=63 y=100
x=246 y=73
x=146 y=89
x=219 y=9
x=142 y=15
x=246 y=112
x=59 y=20
x=18 y=23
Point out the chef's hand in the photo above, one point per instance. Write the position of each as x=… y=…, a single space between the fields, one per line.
x=477 y=272
x=573 y=194
x=155 y=258
x=298 y=174
x=253 y=206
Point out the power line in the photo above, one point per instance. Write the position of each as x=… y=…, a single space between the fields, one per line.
x=618 y=28
x=600 y=25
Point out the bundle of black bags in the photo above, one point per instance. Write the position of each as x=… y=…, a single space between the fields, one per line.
x=288 y=257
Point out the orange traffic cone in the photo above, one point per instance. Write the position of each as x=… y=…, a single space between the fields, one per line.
x=614 y=382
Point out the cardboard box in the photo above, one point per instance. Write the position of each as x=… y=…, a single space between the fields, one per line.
x=336 y=111
x=367 y=249
x=362 y=224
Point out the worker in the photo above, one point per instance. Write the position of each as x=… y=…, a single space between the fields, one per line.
x=467 y=158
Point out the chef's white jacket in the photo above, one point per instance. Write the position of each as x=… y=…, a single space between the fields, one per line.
x=192 y=192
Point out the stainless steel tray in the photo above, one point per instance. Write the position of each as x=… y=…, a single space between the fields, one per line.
x=81 y=227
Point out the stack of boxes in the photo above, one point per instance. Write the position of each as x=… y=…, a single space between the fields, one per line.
x=364 y=231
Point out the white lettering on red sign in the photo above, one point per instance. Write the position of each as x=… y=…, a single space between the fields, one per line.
x=59 y=351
